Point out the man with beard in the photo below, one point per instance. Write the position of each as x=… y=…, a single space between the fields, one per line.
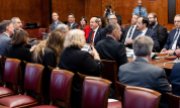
x=159 y=29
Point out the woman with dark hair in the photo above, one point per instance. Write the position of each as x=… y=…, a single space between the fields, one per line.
x=18 y=47
x=84 y=26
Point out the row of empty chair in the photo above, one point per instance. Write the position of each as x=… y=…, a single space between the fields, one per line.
x=94 y=94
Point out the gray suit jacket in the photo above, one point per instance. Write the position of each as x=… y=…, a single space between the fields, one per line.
x=4 y=43
x=141 y=73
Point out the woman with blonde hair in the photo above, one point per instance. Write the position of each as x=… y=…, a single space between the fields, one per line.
x=77 y=58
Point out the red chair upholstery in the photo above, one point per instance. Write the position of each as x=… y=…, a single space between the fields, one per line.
x=10 y=77
x=32 y=84
x=60 y=88
x=95 y=92
x=138 y=97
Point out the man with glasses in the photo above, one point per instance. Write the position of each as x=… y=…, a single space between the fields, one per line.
x=173 y=42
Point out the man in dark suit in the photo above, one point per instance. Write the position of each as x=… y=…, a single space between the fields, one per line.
x=173 y=41
x=142 y=26
x=175 y=79
x=95 y=34
x=140 y=72
x=56 y=22
x=72 y=22
x=159 y=29
x=131 y=31
x=109 y=48
x=5 y=37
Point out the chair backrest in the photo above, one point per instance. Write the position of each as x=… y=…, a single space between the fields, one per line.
x=173 y=100
x=11 y=71
x=2 y=62
x=110 y=70
x=95 y=92
x=138 y=97
x=60 y=86
x=119 y=90
x=33 y=77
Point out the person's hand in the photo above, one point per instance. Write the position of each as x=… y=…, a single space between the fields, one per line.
x=94 y=53
x=170 y=52
x=164 y=51
x=177 y=52
x=128 y=41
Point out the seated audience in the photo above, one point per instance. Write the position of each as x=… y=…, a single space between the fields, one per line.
x=18 y=47
x=140 y=72
x=84 y=26
x=5 y=38
x=173 y=41
x=175 y=79
x=159 y=29
x=110 y=48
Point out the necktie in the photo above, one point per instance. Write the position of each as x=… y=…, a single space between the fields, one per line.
x=92 y=36
x=175 y=39
x=130 y=32
x=139 y=10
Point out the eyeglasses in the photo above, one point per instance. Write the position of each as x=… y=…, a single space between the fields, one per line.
x=178 y=21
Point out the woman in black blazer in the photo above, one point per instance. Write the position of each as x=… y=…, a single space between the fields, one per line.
x=75 y=59
x=18 y=47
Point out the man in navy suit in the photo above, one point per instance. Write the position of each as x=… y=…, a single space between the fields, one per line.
x=72 y=22
x=56 y=22
x=131 y=31
x=173 y=41
x=142 y=26
x=5 y=37
x=95 y=34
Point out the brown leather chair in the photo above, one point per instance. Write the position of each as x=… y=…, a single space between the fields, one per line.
x=138 y=97
x=119 y=89
x=95 y=92
x=60 y=89
x=32 y=86
x=173 y=100
x=110 y=70
x=2 y=62
x=10 y=77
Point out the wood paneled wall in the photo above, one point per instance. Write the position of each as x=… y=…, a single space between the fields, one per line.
x=65 y=7
x=27 y=10
x=40 y=10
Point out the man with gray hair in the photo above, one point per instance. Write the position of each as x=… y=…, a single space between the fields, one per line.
x=140 y=72
x=16 y=23
x=5 y=38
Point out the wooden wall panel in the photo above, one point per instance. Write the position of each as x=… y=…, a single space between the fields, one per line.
x=27 y=10
x=64 y=7
x=93 y=8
